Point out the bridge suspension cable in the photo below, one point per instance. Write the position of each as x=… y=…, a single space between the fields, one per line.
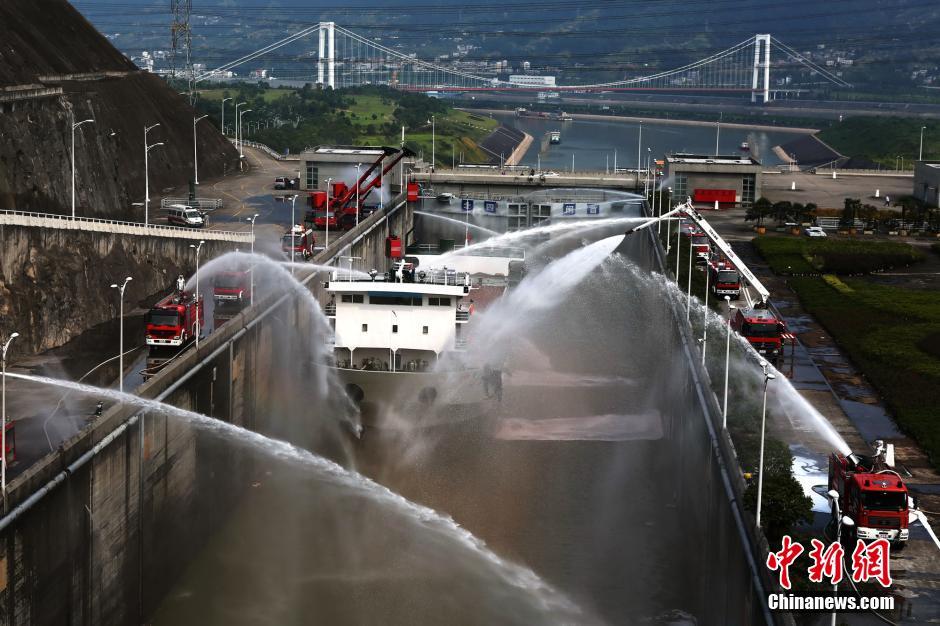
x=345 y=59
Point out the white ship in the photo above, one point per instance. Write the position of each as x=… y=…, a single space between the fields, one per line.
x=397 y=339
x=554 y=137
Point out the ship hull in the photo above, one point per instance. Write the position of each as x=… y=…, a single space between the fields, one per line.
x=408 y=400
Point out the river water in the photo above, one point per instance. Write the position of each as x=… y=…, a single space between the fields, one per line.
x=593 y=143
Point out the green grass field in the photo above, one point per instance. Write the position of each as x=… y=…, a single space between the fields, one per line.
x=802 y=255
x=892 y=334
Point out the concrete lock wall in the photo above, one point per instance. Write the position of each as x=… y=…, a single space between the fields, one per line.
x=98 y=531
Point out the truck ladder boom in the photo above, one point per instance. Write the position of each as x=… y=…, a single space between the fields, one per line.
x=712 y=234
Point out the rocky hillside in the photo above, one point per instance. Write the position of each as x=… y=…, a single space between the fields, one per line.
x=54 y=67
x=54 y=284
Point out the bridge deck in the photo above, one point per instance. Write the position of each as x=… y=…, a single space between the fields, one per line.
x=517 y=178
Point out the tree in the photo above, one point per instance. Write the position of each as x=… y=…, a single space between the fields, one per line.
x=783 y=505
x=782 y=211
x=850 y=212
x=758 y=211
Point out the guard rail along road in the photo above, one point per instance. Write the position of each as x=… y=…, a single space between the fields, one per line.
x=274 y=154
x=51 y=220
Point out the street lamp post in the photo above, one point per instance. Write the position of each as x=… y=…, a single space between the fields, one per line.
x=705 y=315
x=833 y=496
x=763 y=429
x=639 y=144
x=121 y=287
x=251 y=270
x=238 y=143
x=678 y=248
x=196 y=120
x=224 y=100
x=724 y=405
x=3 y=410
x=329 y=184
x=147 y=149
x=74 y=126
x=920 y=153
x=688 y=300
x=198 y=303
x=358 y=165
x=241 y=133
x=433 y=144
x=293 y=233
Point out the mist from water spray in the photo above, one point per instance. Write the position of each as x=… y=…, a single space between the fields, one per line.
x=521 y=235
x=268 y=275
x=782 y=395
x=460 y=223
x=508 y=316
x=546 y=597
x=343 y=273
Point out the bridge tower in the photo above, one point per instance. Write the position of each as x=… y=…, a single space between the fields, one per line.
x=761 y=67
x=326 y=61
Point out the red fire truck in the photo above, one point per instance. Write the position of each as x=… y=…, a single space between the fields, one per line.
x=300 y=241
x=701 y=246
x=872 y=494
x=756 y=322
x=724 y=280
x=762 y=330
x=232 y=288
x=173 y=320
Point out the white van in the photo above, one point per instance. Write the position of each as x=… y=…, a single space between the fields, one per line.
x=182 y=215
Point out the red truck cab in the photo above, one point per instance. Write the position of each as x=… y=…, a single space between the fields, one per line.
x=724 y=280
x=762 y=330
x=173 y=320
x=232 y=287
x=300 y=241
x=876 y=499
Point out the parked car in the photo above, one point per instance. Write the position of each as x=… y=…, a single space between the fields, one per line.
x=814 y=231
x=282 y=182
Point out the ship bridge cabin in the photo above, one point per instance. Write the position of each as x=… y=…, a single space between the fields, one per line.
x=401 y=322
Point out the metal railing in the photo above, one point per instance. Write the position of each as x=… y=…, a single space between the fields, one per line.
x=53 y=220
x=197 y=203
x=274 y=154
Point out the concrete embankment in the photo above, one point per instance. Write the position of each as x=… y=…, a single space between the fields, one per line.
x=504 y=144
x=520 y=150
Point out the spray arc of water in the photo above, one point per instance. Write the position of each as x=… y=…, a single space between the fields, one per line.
x=544 y=596
x=456 y=222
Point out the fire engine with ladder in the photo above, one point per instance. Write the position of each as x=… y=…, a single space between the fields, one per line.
x=868 y=490
x=755 y=321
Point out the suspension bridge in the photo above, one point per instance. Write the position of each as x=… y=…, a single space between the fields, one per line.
x=761 y=66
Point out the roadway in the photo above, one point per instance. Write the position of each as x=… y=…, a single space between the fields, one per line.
x=823 y=374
